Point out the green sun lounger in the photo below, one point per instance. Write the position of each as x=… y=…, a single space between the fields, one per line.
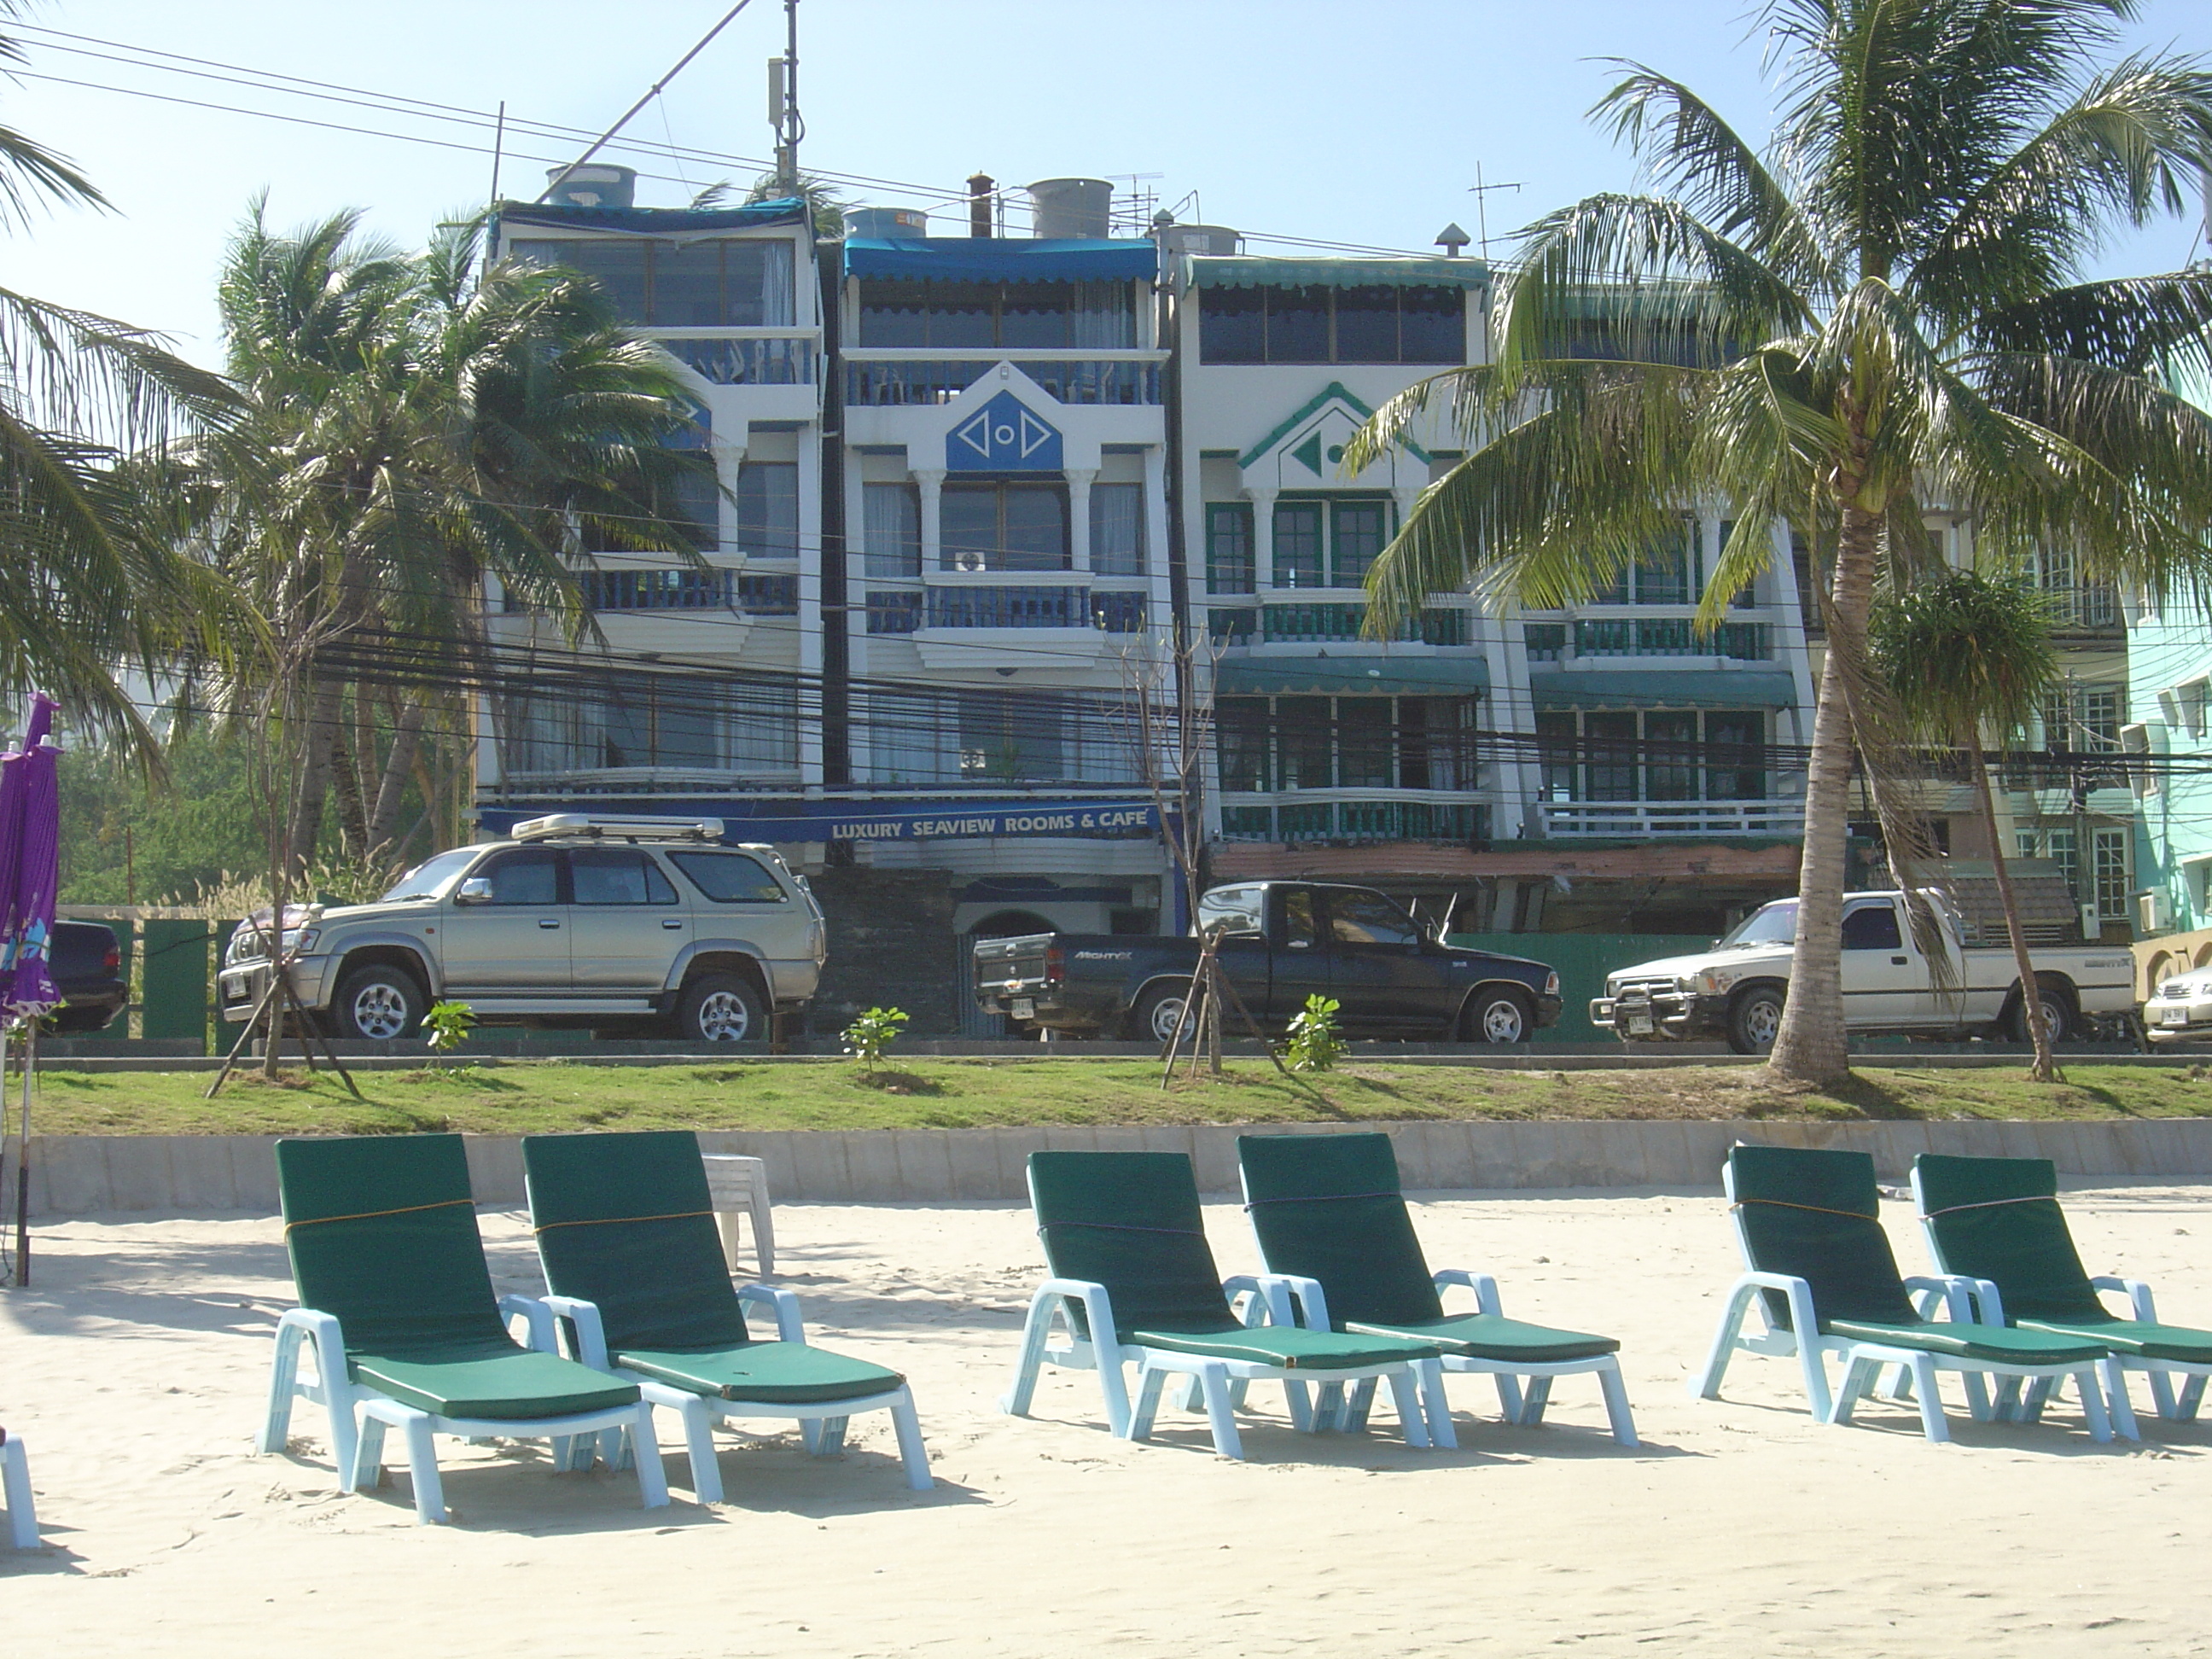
x=1821 y=1273
x=397 y=1305
x=1998 y=1221
x=1134 y=1281
x=1331 y=1219
x=626 y=1236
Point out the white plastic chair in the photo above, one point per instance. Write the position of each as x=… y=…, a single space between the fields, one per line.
x=15 y=1484
x=739 y=1185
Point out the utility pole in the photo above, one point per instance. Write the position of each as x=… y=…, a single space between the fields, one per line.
x=783 y=103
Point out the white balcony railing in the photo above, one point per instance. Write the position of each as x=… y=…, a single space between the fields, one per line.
x=1640 y=820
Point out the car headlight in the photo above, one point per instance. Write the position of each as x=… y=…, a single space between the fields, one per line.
x=1712 y=982
x=300 y=940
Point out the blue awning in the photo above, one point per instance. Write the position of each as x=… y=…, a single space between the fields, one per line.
x=999 y=259
x=1378 y=676
x=1662 y=688
x=651 y=221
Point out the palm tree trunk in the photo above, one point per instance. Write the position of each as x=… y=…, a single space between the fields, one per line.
x=2046 y=1066
x=392 y=789
x=345 y=779
x=320 y=739
x=1812 y=1046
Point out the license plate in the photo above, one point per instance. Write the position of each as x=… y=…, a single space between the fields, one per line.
x=1023 y=1007
x=1639 y=1025
x=2173 y=1016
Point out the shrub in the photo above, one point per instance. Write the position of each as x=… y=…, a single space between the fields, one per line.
x=1314 y=1045
x=448 y=1024
x=866 y=1038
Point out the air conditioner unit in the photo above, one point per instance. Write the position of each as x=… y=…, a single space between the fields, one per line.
x=2154 y=914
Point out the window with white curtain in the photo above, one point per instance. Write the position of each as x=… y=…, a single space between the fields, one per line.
x=1117 y=529
x=891 y=523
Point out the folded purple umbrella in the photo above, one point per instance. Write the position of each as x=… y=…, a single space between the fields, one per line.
x=30 y=871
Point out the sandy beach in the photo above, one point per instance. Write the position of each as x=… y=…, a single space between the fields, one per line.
x=135 y=1367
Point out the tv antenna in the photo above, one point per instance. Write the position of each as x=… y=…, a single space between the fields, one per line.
x=1480 y=192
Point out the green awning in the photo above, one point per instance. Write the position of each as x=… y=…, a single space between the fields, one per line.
x=1207 y=272
x=1407 y=676
x=1661 y=687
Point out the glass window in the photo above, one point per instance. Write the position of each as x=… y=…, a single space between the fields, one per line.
x=1369 y=919
x=610 y=875
x=616 y=265
x=894 y=313
x=1233 y=325
x=1302 y=737
x=1011 y=738
x=961 y=313
x=768 y=509
x=1297 y=325
x=430 y=878
x=1298 y=545
x=1229 y=547
x=764 y=727
x=529 y=875
x=1736 y=748
x=687 y=285
x=1664 y=573
x=1356 y=532
x=1611 y=770
x=730 y=877
x=1003 y=527
x=1872 y=927
x=1117 y=529
x=1301 y=928
x=1363 y=743
x=1240 y=727
x=1558 y=741
x=1431 y=326
x=1104 y=317
x=1367 y=325
x=891 y=515
x=1670 y=772
x=756 y=280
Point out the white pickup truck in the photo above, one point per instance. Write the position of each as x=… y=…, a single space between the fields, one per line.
x=1735 y=989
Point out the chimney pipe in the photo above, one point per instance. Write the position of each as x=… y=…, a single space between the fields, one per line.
x=979 y=205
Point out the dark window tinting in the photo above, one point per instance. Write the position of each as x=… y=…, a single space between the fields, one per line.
x=730 y=877
x=530 y=876
x=697 y=284
x=1361 y=919
x=1872 y=927
x=980 y=316
x=1229 y=547
x=768 y=509
x=1003 y=527
x=610 y=875
x=1367 y=324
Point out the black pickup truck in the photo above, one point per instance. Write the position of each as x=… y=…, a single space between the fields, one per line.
x=1281 y=941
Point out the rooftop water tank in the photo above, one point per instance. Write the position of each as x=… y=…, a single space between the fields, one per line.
x=596 y=184
x=1073 y=209
x=885 y=222
x=1217 y=239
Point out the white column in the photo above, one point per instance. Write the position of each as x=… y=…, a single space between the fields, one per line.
x=1078 y=516
x=1263 y=535
x=728 y=458
x=856 y=578
x=810 y=598
x=930 y=482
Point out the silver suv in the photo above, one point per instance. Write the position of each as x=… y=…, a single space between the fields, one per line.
x=578 y=920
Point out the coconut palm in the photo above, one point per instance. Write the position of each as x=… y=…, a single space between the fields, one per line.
x=87 y=584
x=1963 y=655
x=1884 y=313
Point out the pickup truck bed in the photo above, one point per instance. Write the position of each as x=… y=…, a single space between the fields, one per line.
x=1280 y=942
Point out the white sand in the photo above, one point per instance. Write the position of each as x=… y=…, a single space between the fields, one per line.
x=135 y=1367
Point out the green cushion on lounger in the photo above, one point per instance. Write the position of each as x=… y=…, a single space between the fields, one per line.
x=2136 y=1339
x=1290 y=1348
x=1999 y=1345
x=493 y=1383
x=1493 y=1336
x=382 y=1233
x=769 y=1373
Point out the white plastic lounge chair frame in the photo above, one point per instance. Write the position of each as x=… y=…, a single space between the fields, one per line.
x=821 y=1422
x=1416 y=1387
x=1987 y=1302
x=16 y=1486
x=359 y=1417
x=1862 y=1359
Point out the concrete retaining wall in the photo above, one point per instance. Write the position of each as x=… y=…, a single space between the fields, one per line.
x=78 y=1175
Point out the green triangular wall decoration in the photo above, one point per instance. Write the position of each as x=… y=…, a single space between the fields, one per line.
x=1310 y=454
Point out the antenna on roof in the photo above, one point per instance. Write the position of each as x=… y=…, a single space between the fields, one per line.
x=1480 y=192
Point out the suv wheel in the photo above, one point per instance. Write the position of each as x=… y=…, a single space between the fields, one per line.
x=721 y=1008
x=1754 y=1020
x=377 y=1003
x=1496 y=1017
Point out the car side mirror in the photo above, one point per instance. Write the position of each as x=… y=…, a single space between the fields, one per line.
x=477 y=890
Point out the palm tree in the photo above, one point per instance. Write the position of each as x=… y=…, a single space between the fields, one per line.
x=1964 y=654
x=87 y=582
x=1884 y=313
x=423 y=430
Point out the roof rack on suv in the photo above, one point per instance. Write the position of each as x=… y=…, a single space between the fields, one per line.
x=591 y=826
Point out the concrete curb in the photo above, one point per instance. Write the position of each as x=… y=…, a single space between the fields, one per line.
x=81 y=1175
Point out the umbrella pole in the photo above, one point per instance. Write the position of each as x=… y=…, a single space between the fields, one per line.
x=23 y=1159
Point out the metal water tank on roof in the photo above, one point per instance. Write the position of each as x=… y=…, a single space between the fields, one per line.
x=885 y=222
x=1073 y=209
x=1212 y=239
x=596 y=184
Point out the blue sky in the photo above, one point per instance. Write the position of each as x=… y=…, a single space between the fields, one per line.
x=1359 y=122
